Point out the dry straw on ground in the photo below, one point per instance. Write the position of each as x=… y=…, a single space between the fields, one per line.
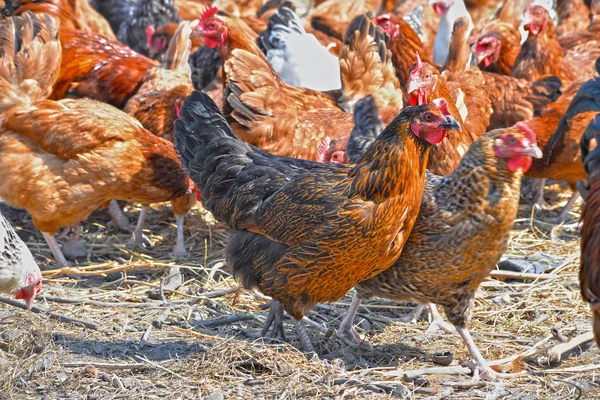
x=194 y=344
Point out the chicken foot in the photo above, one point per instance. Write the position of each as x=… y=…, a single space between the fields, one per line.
x=274 y=321
x=59 y=257
x=118 y=217
x=138 y=239
x=346 y=331
x=74 y=248
x=438 y=322
x=179 y=250
x=564 y=214
x=482 y=369
x=413 y=316
x=538 y=199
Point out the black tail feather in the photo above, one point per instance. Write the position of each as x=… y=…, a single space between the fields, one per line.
x=591 y=160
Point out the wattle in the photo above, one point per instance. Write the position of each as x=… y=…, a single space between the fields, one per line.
x=519 y=162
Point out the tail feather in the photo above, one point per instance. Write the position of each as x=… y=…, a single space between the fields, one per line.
x=544 y=92
x=284 y=19
x=234 y=177
x=30 y=56
x=586 y=99
x=178 y=53
x=459 y=53
x=205 y=64
x=367 y=126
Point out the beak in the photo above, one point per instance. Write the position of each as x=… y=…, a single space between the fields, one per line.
x=29 y=303
x=346 y=105
x=413 y=85
x=532 y=151
x=451 y=124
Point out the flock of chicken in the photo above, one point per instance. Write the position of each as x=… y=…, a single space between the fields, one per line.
x=298 y=133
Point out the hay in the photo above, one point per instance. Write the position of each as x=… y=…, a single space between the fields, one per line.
x=195 y=346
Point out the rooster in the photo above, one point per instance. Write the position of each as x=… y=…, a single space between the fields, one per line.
x=297 y=56
x=306 y=232
x=590 y=235
x=20 y=275
x=443 y=261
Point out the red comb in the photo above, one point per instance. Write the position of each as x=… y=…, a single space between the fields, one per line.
x=209 y=12
x=419 y=63
x=442 y=104
x=529 y=133
x=149 y=33
x=383 y=18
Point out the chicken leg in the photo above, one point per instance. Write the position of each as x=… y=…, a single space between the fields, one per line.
x=179 y=250
x=346 y=331
x=482 y=369
x=438 y=322
x=59 y=257
x=538 y=200
x=137 y=237
x=564 y=214
x=274 y=323
x=118 y=218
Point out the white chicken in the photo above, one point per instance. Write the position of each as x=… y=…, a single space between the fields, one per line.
x=449 y=11
x=298 y=57
x=20 y=275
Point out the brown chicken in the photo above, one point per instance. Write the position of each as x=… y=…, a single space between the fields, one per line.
x=589 y=273
x=156 y=105
x=332 y=17
x=573 y=16
x=61 y=160
x=319 y=249
x=99 y=69
x=468 y=93
x=499 y=41
x=404 y=44
x=430 y=22
x=366 y=67
x=562 y=155
x=283 y=119
x=587 y=37
x=541 y=54
x=73 y=14
x=462 y=229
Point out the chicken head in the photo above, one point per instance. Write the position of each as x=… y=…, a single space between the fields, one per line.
x=535 y=19
x=433 y=123
x=518 y=146
x=441 y=6
x=211 y=28
x=332 y=150
x=33 y=286
x=487 y=49
x=387 y=25
x=422 y=80
x=157 y=43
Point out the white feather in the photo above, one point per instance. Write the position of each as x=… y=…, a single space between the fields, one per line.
x=441 y=45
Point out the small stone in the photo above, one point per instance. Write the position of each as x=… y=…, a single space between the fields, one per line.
x=76 y=250
x=90 y=370
x=217 y=396
x=444 y=358
x=160 y=385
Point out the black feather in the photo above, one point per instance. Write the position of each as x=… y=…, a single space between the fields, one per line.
x=367 y=126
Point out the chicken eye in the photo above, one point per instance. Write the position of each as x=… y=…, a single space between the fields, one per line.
x=512 y=140
x=428 y=117
x=212 y=25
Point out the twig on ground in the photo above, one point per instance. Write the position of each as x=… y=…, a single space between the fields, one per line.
x=50 y=314
x=105 y=366
x=412 y=375
x=229 y=319
x=555 y=353
x=520 y=275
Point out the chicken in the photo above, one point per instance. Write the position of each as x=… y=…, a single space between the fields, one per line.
x=515 y=100
x=461 y=232
x=297 y=56
x=99 y=69
x=158 y=40
x=573 y=16
x=367 y=126
x=429 y=20
x=569 y=116
x=590 y=236
x=587 y=37
x=61 y=160
x=148 y=13
x=366 y=67
x=560 y=141
x=449 y=11
x=205 y=64
x=426 y=83
x=73 y=14
x=116 y=11
x=404 y=45
x=189 y=10
x=320 y=249
x=542 y=55
x=282 y=119
x=156 y=106
x=20 y=275
x=499 y=41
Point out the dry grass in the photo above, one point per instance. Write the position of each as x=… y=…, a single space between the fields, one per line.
x=183 y=358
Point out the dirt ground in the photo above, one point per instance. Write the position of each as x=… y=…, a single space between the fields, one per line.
x=194 y=343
